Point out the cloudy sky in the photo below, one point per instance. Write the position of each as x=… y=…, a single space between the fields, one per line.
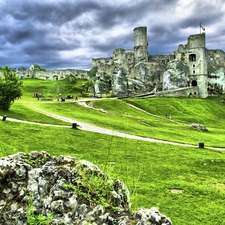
x=60 y=34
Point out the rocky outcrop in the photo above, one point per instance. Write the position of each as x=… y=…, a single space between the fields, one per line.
x=38 y=187
x=176 y=76
x=198 y=127
x=119 y=84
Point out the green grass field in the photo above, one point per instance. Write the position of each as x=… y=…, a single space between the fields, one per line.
x=185 y=183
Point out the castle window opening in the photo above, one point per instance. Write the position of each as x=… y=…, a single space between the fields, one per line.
x=193 y=71
x=193 y=65
x=194 y=83
x=192 y=57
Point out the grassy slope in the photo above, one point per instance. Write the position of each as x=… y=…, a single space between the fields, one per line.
x=149 y=170
x=187 y=110
x=51 y=87
x=22 y=112
x=122 y=117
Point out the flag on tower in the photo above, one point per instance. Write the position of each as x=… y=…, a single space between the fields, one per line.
x=201 y=27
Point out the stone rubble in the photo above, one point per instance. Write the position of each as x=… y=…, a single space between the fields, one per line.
x=199 y=127
x=42 y=178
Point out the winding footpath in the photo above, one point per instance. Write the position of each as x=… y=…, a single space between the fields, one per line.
x=96 y=129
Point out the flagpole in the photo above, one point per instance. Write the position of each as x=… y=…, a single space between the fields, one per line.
x=201 y=28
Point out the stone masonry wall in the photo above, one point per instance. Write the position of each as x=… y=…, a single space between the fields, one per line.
x=53 y=74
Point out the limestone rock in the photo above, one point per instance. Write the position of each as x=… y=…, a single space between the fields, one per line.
x=199 y=127
x=176 y=75
x=63 y=190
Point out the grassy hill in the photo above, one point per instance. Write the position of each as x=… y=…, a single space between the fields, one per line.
x=51 y=87
x=185 y=183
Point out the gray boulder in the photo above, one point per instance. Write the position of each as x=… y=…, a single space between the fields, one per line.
x=198 y=127
x=64 y=190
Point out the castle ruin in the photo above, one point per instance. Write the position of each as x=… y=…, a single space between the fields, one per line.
x=190 y=70
x=52 y=74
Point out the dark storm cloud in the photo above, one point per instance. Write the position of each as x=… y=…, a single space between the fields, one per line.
x=69 y=33
x=120 y=14
x=48 y=11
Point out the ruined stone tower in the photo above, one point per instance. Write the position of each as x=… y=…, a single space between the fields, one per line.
x=197 y=62
x=140 y=44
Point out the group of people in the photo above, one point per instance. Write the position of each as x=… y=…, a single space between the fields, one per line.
x=59 y=97
x=36 y=95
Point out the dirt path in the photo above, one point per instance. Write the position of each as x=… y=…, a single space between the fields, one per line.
x=41 y=124
x=96 y=129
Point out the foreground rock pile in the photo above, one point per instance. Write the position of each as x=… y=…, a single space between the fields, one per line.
x=38 y=187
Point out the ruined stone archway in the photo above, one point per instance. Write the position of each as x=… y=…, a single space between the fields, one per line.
x=55 y=77
x=194 y=83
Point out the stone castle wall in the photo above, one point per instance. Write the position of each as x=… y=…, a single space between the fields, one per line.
x=52 y=74
x=196 y=41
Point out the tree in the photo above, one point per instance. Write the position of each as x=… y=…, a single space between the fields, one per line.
x=34 y=68
x=10 y=87
x=22 y=68
x=72 y=79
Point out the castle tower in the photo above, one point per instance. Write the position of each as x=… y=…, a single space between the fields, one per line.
x=140 y=44
x=197 y=61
